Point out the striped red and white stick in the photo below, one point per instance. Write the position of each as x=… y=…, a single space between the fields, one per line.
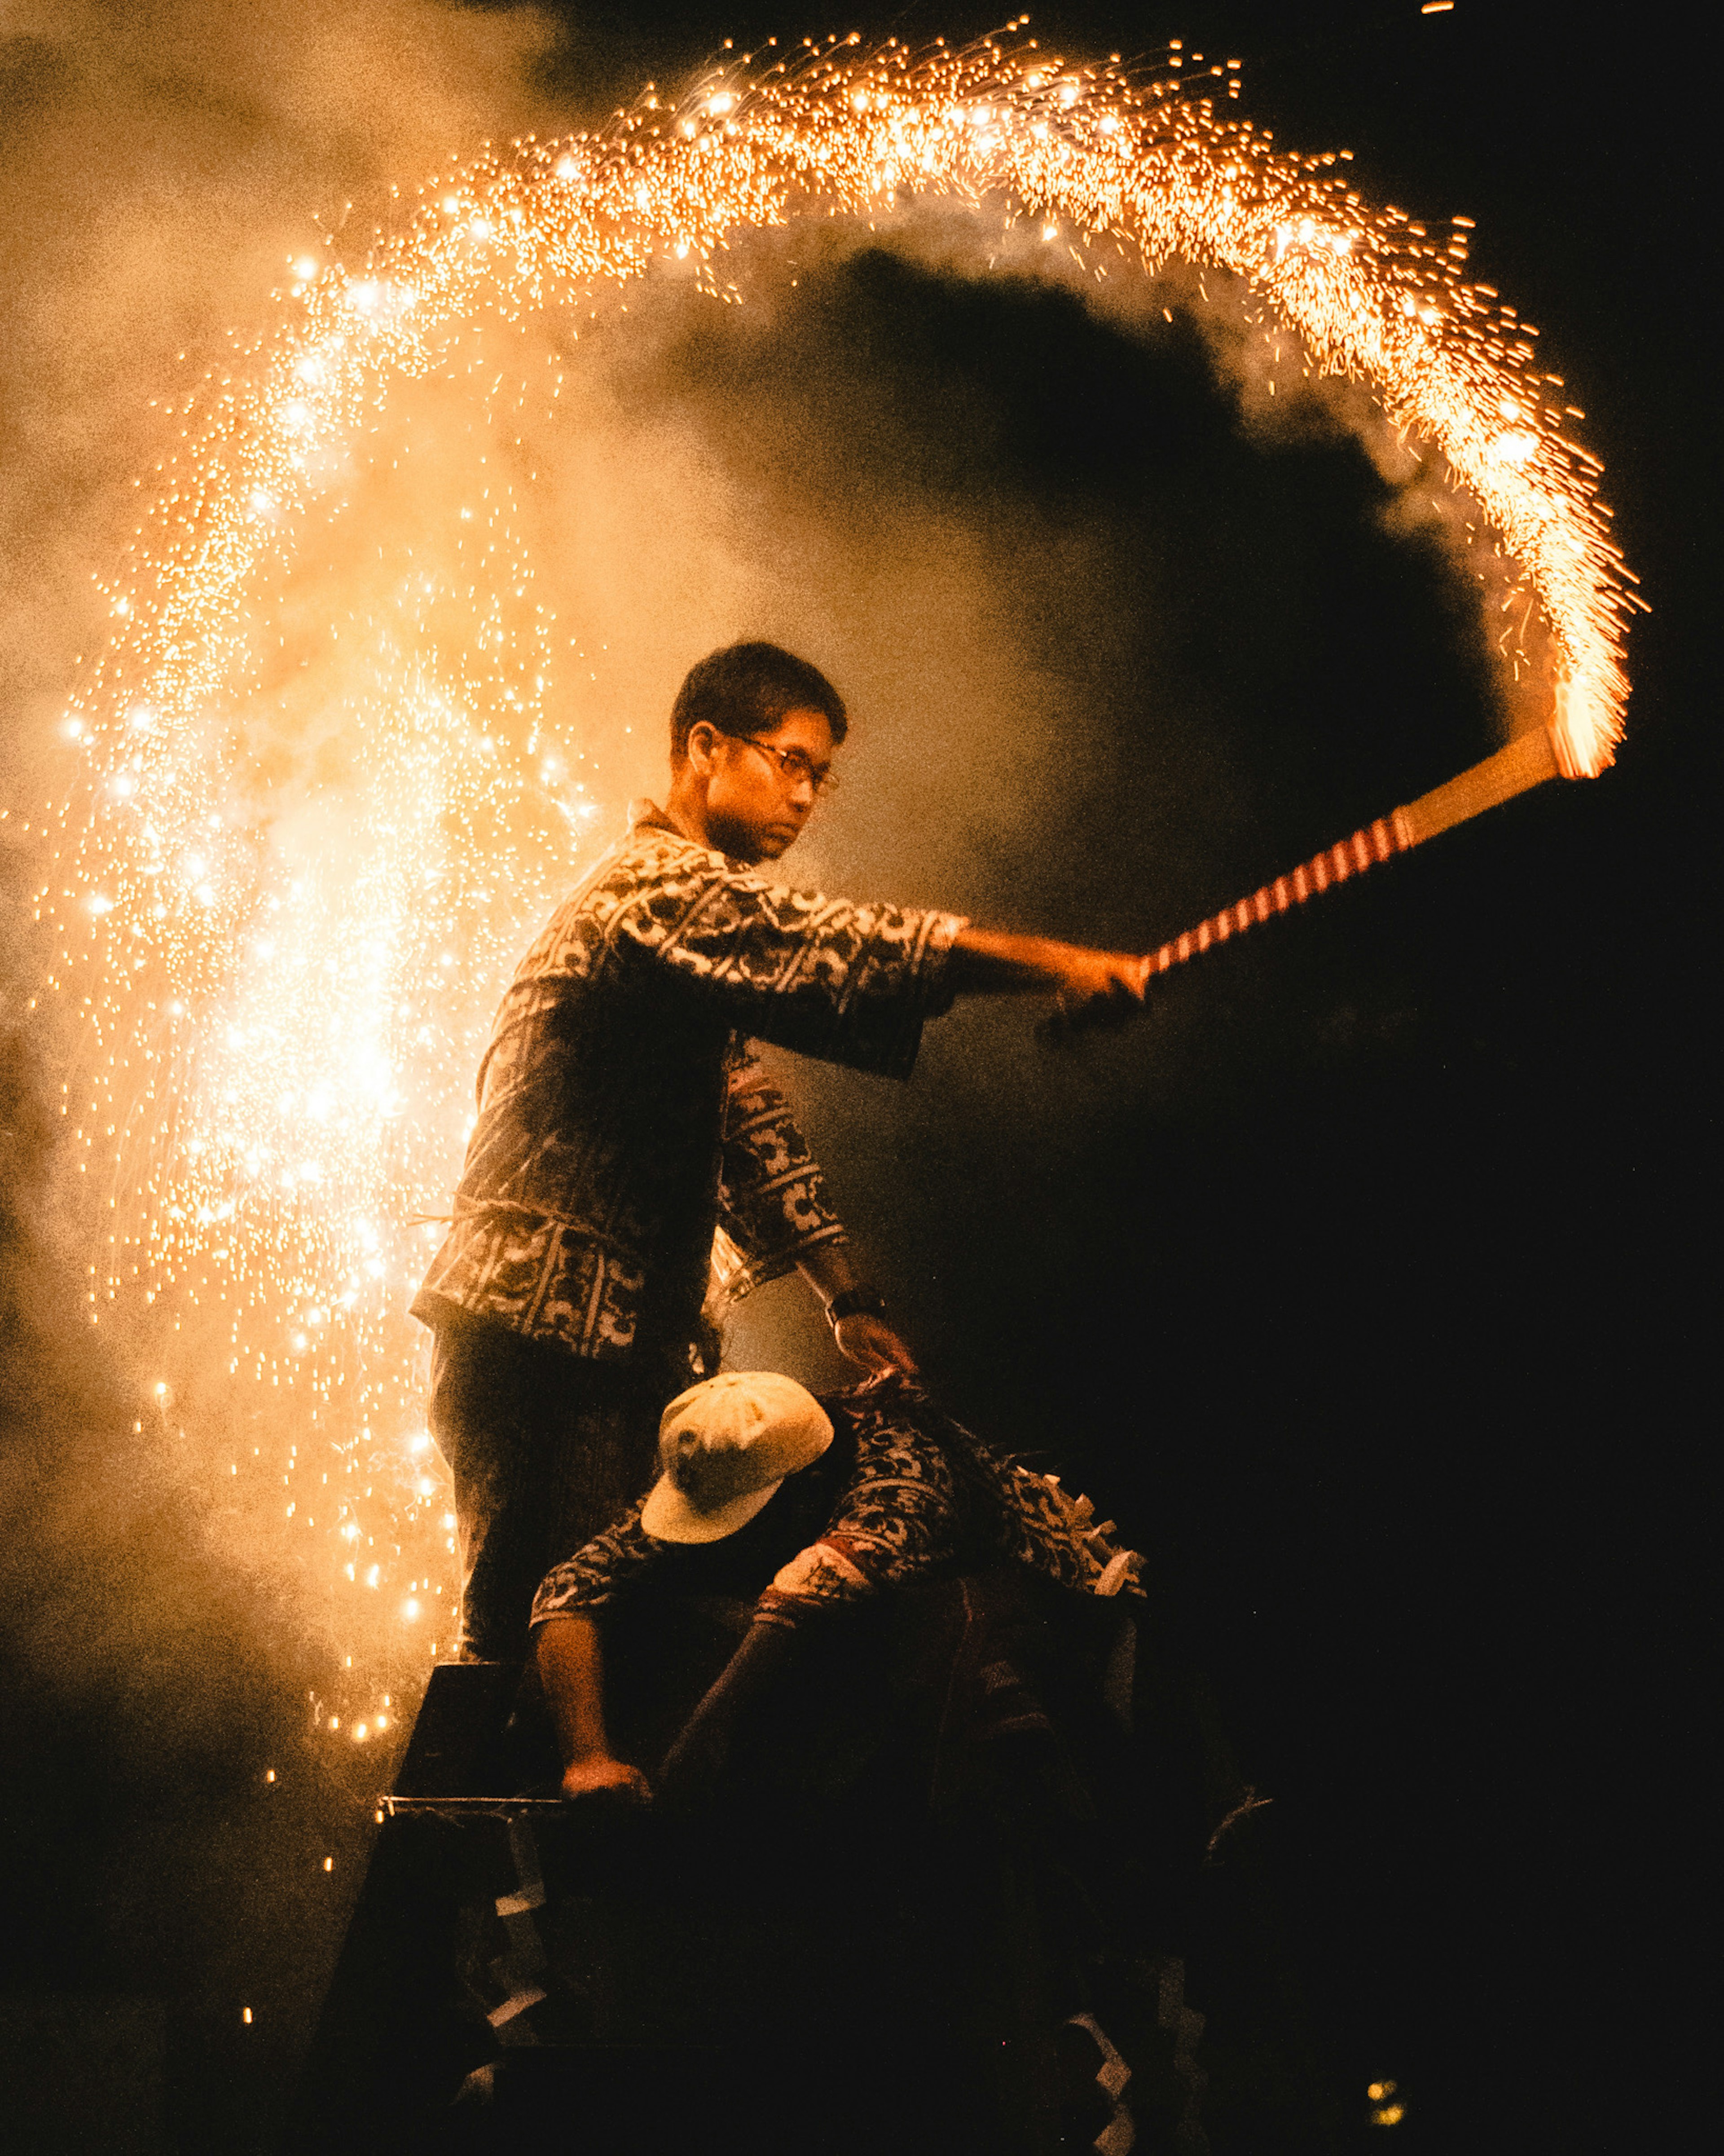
x=1523 y=764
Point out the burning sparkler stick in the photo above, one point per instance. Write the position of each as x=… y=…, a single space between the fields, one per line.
x=1524 y=764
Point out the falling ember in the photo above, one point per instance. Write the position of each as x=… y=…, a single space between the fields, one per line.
x=283 y=1012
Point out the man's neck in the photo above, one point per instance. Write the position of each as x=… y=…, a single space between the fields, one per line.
x=686 y=811
x=691 y=827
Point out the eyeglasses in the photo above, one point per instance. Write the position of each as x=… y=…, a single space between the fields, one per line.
x=793 y=765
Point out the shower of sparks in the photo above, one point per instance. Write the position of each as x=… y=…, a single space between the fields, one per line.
x=284 y=1006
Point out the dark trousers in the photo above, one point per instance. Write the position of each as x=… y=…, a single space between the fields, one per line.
x=547 y=1450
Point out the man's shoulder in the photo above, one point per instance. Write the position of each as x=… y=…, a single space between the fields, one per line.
x=648 y=859
x=650 y=854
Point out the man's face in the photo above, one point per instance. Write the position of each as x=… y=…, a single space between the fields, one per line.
x=761 y=791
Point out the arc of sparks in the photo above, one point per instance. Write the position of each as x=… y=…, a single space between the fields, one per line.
x=1096 y=155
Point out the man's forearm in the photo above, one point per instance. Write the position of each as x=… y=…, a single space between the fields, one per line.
x=768 y=1654
x=987 y=961
x=828 y=1269
x=572 y=1670
x=864 y=1334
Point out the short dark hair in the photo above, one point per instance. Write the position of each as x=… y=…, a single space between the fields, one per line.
x=749 y=687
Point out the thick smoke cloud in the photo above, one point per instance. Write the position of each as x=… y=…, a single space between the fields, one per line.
x=157 y=165
x=162 y=163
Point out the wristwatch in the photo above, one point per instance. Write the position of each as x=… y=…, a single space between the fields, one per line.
x=855 y=1302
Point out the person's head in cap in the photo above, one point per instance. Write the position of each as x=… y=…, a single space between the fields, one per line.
x=724 y=1447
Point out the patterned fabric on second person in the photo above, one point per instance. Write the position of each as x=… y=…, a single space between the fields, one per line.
x=622 y=1121
x=902 y=1494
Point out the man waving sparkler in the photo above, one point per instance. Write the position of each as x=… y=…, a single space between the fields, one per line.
x=630 y=1153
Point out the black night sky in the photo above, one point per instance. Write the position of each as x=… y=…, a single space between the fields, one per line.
x=1376 y=1317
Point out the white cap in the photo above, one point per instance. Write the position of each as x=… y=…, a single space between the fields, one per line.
x=724 y=1447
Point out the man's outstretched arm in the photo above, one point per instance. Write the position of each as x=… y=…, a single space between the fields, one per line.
x=572 y=1670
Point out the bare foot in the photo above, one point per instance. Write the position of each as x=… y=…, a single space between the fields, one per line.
x=607 y=1778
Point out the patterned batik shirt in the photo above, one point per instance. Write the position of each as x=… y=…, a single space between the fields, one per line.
x=902 y=1494
x=624 y=1127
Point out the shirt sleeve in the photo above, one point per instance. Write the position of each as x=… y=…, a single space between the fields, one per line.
x=590 y=1580
x=770 y=1201
x=850 y=984
x=1036 y=1521
x=895 y=1521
